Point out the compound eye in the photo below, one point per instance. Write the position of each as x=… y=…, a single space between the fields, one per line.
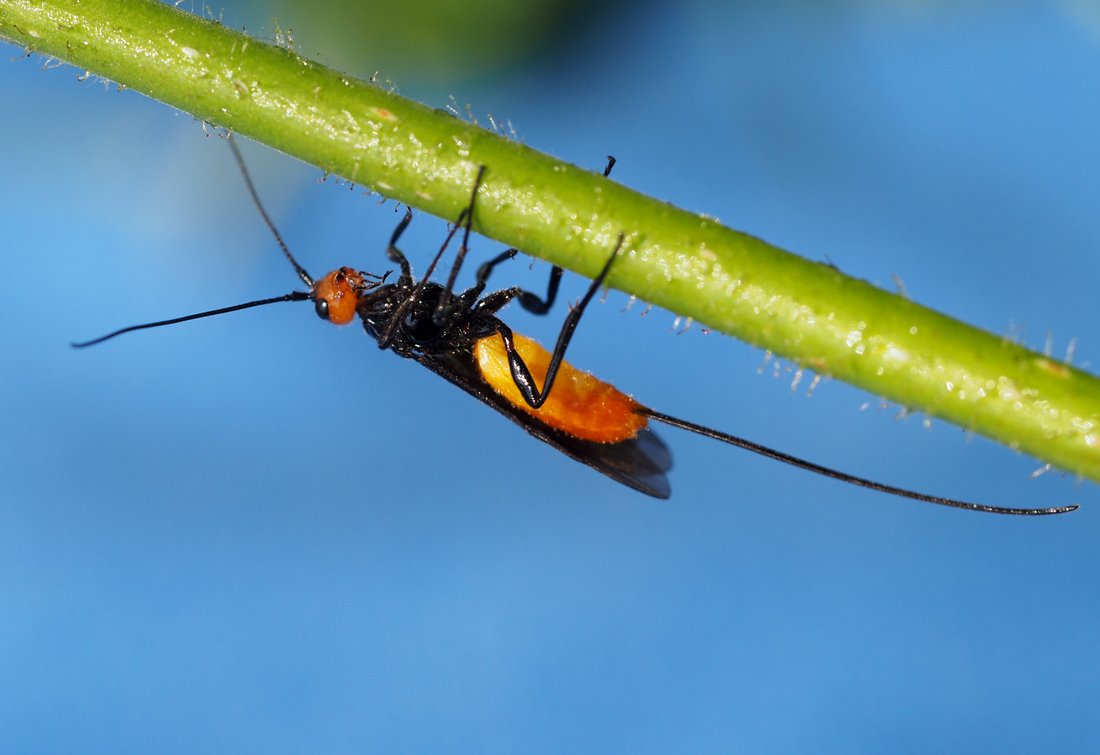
x=321 y=308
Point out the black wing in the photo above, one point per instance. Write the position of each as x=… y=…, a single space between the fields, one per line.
x=639 y=463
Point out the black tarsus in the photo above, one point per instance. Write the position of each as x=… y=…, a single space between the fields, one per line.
x=395 y=254
x=528 y=300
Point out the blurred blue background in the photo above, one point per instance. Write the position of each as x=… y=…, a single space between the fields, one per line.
x=257 y=533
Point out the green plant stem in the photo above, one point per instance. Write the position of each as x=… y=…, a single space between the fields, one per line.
x=803 y=311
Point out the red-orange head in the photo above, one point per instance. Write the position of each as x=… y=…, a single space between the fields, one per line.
x=336 y=295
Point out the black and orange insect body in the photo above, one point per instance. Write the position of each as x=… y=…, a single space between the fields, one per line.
x=460 y=337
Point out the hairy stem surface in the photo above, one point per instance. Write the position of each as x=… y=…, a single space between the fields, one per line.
x=727 y=280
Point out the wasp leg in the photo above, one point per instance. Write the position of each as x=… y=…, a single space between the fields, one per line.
x=466 y=220
x=496 y=300
x=396 y=254
x=521 y=375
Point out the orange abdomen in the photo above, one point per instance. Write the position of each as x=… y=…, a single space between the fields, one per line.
x=579 y=404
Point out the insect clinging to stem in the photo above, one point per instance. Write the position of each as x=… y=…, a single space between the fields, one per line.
x=460 y=337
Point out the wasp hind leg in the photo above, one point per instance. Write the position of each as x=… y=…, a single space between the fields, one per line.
x=527 y=299
x=521 y=374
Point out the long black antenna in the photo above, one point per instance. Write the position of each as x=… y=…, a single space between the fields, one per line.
x=794 y=461
x=292 y=296
x=263 y=213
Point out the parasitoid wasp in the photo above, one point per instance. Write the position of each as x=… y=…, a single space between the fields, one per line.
x=459 y=337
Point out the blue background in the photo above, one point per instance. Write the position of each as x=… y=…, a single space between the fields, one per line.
x=259 y=534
